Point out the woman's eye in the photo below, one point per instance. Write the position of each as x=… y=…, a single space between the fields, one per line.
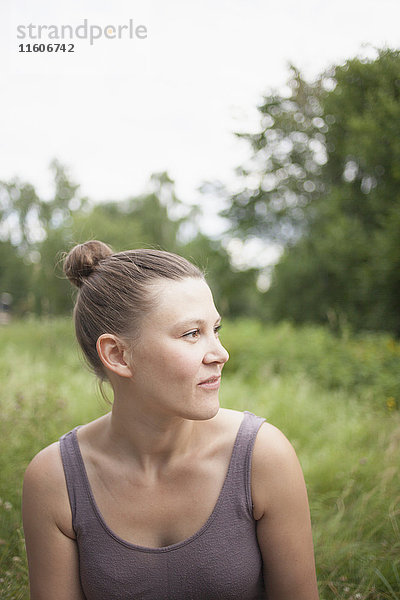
x=192 y=334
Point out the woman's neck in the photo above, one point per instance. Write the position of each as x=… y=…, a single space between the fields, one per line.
x=152 y=440
x=139 y=429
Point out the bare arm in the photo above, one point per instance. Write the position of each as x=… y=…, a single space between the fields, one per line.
x=282 y=511
x=50 y=544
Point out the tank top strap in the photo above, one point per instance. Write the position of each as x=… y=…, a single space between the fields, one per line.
x=239 y=474
x=75 y=473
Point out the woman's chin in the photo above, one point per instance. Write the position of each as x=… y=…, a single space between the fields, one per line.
x=207 y=409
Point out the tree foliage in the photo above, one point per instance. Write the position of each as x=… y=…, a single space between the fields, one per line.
x=324 y=178
x=35 y=233
x=283 y=177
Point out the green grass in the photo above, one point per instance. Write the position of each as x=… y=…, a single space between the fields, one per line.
x=336 y=400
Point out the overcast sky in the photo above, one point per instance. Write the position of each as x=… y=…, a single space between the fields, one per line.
x=115 y=111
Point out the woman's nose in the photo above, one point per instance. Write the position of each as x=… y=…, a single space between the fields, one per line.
x=216 y=353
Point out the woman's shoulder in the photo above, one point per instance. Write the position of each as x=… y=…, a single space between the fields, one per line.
x=45 y=468
x=271 y=444
x=274 y=469
x=45 y=490
x=270 y=440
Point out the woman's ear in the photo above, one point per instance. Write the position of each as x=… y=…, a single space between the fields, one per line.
x=114 y=354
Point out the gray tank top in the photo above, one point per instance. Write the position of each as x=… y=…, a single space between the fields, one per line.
x=222 y=561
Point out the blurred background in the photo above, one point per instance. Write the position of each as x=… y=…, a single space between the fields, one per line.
x=242 y=135
x=261 y=141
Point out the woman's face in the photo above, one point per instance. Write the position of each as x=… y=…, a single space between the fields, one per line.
x=179 y=350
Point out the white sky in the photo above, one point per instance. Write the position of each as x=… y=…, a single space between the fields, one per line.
x=118 y=110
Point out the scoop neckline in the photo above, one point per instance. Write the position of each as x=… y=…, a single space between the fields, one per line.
x=151 y=549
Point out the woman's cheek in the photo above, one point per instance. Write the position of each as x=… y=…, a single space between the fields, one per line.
x=187 y=364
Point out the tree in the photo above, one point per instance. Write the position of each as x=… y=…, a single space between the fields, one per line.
x=36 y=234
x=283 y=177
x=33 y=230
x=328 y=188
x=14 y=277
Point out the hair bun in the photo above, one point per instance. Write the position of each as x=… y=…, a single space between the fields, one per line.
x=81 y=261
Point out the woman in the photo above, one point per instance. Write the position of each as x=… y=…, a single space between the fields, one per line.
x=168 y=496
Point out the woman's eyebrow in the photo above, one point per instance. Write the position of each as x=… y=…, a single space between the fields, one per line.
x=194 y=321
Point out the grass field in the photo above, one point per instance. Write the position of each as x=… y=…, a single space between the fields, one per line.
x=336 y=399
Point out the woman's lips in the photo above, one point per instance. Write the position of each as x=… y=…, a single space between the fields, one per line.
x=212 y=383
